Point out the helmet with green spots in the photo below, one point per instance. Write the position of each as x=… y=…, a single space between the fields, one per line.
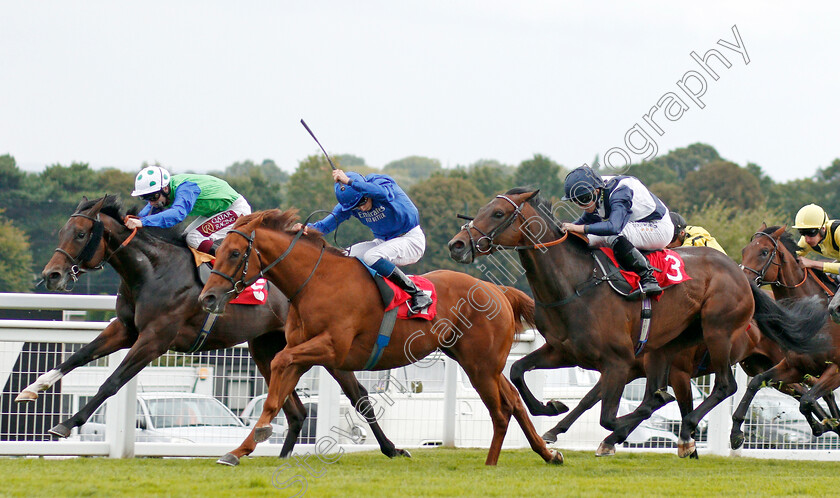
x=149 y=180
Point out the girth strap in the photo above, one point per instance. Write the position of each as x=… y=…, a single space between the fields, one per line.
x=385 y=331
x=203 y=333
x=645 y=328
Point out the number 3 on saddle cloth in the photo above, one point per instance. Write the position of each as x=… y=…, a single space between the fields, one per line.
x=668 y=266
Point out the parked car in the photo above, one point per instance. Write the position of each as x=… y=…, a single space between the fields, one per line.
x=174 y=417
x=359 y=434
x=662 y=429
x=775 y=422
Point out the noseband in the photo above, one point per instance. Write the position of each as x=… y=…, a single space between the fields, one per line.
x=241 y=284
x=501 y=227
x=759 y=274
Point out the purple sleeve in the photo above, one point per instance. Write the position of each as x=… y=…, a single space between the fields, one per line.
x=621 y=199
x=185 y=197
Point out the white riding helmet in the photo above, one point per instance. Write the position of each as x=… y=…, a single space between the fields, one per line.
x=149 y=180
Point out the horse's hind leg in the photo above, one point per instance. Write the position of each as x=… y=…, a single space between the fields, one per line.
x=114 y=337
x=537 y=444
x=544 y=357
x=358 y=395
x=783 y=372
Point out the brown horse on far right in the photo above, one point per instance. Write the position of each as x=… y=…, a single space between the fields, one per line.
x=602 y=327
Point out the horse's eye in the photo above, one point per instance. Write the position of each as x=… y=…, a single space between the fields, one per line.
x=235 y=253
x=764 y=252
x=498 y=214
x=81 y=235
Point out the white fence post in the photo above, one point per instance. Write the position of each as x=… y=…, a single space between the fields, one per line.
x=450 y=389
x=121 y=415
x=329 y=399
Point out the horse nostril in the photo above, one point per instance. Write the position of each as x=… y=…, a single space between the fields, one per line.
x=52 y=276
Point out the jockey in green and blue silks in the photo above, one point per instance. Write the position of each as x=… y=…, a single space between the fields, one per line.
x=381 y=205
x=172 y=198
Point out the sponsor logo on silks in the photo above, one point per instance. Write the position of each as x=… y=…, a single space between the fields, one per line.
x=217 y=222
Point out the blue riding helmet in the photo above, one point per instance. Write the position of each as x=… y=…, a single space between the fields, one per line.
x=347 y=196
x=580 y=184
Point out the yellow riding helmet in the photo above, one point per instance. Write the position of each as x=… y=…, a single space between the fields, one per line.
x=811 y=216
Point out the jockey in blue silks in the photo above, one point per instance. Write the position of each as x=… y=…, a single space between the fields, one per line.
x=381 y=205
x=620 y=212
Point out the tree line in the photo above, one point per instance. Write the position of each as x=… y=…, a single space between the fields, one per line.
x=728 y=199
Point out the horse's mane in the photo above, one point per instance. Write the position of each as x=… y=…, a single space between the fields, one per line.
x=543 y=207
x=278 y=220
x=792 y=247
x=115 y=208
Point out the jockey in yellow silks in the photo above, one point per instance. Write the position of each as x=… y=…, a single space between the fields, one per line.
x=820 y=235
x=691 y=236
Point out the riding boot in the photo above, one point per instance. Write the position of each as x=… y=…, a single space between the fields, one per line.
x=419 y=299
x=630 y=259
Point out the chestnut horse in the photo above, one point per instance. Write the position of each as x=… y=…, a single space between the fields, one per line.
x=770 y=258
x=158 y=311
x=336 y=313
x=602 y=327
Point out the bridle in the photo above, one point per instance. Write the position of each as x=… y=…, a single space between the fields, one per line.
x=240 y=285
x=771 y=260
x=88 y=251
x=501 y=227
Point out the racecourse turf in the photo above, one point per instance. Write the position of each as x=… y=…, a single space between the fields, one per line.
x=431 y=472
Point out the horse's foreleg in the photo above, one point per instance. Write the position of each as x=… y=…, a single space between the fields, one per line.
x=736 y=436
x=828 y=381
x=587 y=402
x=114 y=337
x=537 y=444
x=286 y=368
x=544 y=357
x=358 y=396
x=147 y=348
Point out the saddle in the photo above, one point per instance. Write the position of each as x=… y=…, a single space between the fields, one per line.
x=626 y=283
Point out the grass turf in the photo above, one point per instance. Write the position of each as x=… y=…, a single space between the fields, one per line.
x=432 y=472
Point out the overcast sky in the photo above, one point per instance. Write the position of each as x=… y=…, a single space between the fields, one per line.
x=198 y=85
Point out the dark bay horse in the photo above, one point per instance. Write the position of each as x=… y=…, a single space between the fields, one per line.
x=158 y=311
x=602 y=327
x=770 y=258
x=336 y=314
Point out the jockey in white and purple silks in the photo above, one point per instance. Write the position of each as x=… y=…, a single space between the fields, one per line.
x=381 y=205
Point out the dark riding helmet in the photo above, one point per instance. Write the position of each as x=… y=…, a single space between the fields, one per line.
x=347 y=196
x=678 y=221
x=580 y=185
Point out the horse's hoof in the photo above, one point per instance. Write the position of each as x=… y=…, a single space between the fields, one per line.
x=60 y=430
x=605 y=449
x=549 y=437
x=694 y=455
x=403 y=453
x=557 y=407
x=229 y=459
x=736 y=440
x=686 y=448
x=262 y=434
x=556 y=458
x=25 y=396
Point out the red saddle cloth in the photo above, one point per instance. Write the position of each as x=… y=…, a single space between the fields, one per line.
x=256 y=293
x=401 y=298
x=670 y=262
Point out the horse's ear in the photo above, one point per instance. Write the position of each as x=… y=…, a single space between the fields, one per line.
x=81 y=203
x=763 y=226
x=778 y=233
x=96 y=207
x=533 y=194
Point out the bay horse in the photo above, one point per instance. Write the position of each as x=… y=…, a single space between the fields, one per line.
x=602 y=327
x=336 y=312
x=771 y=258
x=158 y=311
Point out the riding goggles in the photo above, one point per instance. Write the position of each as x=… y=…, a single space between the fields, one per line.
x=809 y=232
x=151 y=197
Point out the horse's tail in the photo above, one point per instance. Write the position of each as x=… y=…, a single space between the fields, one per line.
x=523 y=307
x=793 y=324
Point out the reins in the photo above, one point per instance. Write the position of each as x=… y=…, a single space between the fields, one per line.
x=88 y=251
